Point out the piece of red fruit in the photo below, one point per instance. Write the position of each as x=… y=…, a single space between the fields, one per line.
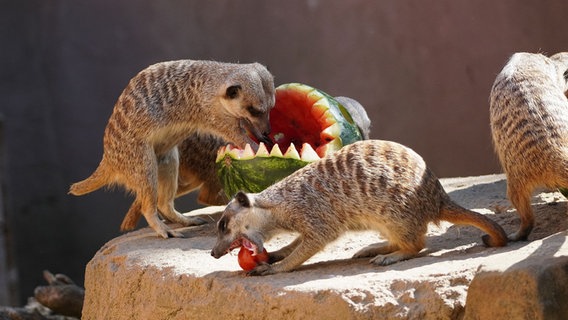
x=248 y=262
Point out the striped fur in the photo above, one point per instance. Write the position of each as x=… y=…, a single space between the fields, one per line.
x=373 y=184
x=162 y=106
x=529 y=125
x=197 y=167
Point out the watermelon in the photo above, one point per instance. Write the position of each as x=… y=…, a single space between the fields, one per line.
x=564 y=192
x=306 y=125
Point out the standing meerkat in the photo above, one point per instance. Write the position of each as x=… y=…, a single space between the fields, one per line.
x=368 y=185
x=529 y=124
x=159 y=108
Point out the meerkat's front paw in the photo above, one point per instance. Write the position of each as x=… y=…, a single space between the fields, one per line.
x=383 y=260
x=166 y=232
x=175 y=234
x=388 y=259
x=263 y=269
x=194 y=221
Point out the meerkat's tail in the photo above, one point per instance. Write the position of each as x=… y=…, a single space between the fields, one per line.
x=132 y=217
x=97 y=180
x=495 y=237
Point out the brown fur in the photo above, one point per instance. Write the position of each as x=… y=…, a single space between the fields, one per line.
x=529 y=125
x=162 y=106
x=197 y=168
x=373 y=184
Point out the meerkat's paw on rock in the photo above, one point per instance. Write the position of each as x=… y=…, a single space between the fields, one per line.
x=193 y=221
x=374 y=250
x=391 y=258
x=262 y=269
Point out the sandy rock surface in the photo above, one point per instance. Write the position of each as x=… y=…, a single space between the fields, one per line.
x=141 y=276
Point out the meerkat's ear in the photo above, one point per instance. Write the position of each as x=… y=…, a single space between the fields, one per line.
x=264 y=203
x=242 y=199
x=233 y=91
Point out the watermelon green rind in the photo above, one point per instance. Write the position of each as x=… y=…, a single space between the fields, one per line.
x=349 y=132
x=564 y=192
x=254 y=173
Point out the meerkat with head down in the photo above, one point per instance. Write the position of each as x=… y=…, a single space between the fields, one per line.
x=162 y=106
x=529 y=125
x=368 y=185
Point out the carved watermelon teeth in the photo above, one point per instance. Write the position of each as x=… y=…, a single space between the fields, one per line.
x=307 y=154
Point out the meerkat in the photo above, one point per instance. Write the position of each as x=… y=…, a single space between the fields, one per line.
x=162 y=106
x=529 y=126
x=198 y=170
x=368 y=185
x=358 y=113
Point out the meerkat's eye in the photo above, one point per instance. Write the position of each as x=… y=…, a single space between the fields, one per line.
x=254 y=112
x=233 y=91
x=222 y=225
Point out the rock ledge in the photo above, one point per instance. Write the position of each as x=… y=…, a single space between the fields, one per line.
x=141 y=276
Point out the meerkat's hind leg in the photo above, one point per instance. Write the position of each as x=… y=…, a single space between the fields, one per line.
x=132 y=216
x=150 y=212
x=168 y=165
x=403 y=244
x=374 y=250
x=402 y=251
x=143 y=180
x=520 y=195
x=393 y=257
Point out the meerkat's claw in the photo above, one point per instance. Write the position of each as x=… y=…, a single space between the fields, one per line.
x=195 y=221
x=374 y=250
x=263 y=269
x=162 y=233
x=165 y=232
x=364 y=253
x=175 y=234
x=388 y=259
x=384 y=260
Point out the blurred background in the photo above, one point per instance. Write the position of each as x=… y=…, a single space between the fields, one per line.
x=423 y=72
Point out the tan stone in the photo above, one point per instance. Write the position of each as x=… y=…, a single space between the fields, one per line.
x=533 y=289
x=140 y=276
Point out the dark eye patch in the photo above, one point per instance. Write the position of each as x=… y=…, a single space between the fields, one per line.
x=222 y=226
x=254 y=112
